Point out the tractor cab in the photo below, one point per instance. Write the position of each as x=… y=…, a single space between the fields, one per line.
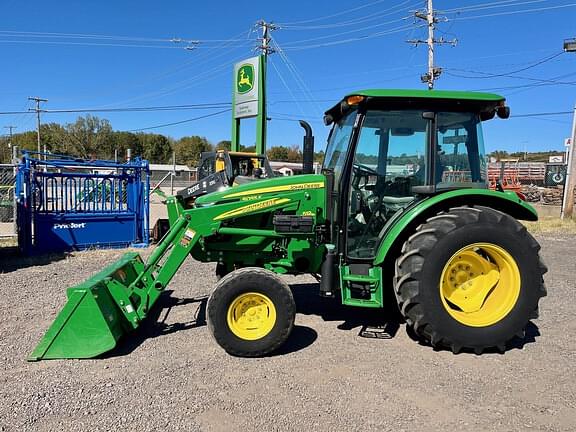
x=390 y=149
x=240 y=167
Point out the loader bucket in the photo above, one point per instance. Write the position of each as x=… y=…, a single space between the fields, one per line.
x=96 y=315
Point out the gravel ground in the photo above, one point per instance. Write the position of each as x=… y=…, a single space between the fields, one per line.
x=172 y=376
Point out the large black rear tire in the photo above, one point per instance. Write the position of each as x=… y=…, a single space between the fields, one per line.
x=251 y=312
x=470 y=278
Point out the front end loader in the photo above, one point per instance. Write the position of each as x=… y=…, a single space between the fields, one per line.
x=402 y=207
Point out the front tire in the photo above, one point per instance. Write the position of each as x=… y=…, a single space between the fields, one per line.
x=251 y=312
x=469 y=278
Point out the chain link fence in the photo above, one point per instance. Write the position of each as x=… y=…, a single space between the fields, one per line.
x=7 y=209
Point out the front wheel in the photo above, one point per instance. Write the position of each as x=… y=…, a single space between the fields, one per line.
x=470 y=278
x=251 y=312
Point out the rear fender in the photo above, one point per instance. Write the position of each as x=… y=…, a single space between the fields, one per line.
x=404 y=226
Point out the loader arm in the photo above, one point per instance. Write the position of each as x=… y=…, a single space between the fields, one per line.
x=113 y=302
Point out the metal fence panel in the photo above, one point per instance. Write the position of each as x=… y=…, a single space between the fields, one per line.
x=7 y=207
x=66 y=204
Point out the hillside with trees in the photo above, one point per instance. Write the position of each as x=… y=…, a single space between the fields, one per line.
x=90 y=137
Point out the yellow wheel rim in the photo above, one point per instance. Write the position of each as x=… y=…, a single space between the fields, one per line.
x=251 y=316
x=480 y=284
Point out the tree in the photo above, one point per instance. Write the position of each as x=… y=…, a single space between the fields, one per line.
x=53 y=136
x=278 y=153
x=188 y=149
x=294 y=154
x=155 y=148
x=319 y=156
x=25 y=140
x=89 y=137
x=248 y=149
x=224 y=145
x=122 y=141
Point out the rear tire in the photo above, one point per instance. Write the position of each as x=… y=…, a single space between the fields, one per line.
x=469 y=278
x=251 y=312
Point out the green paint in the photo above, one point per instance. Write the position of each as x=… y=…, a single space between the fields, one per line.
x=372 y=282
x=506 y=202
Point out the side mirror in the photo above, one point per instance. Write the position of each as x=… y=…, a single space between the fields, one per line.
x=503 y=112
x=487 y=115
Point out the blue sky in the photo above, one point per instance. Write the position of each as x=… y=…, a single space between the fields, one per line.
x=118 y=54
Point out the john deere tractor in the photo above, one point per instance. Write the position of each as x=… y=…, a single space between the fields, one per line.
x=401 y=211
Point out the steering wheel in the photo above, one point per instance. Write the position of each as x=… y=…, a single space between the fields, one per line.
x=365 y=168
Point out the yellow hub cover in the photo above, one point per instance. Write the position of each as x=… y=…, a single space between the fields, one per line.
x=480 y=284
x=251 y=316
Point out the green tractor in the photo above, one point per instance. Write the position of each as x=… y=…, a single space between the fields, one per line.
x=401 y=211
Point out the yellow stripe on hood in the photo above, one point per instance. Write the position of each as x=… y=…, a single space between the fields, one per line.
x=252 y=208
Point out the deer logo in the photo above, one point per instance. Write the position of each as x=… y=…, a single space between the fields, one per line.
x=245 y=78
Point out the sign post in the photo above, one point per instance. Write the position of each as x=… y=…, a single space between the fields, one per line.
x=249 y=100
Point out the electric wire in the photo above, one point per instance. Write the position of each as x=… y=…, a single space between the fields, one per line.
x=507 y=74
x=286 y=85
x=492 y=5
x=354 y=21
x=325 y=17
x=400 y=29
x=331 y=36
x=181 y=121
x=295 y=73
x=463 y=18
x=127 y=109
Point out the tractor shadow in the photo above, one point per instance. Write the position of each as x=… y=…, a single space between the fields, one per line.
x=531 y=332
x=378 y=323
x=371 y=323
x=156 y=324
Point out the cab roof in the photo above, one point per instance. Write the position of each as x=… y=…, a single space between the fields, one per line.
x=428 y=94
x=422 y=99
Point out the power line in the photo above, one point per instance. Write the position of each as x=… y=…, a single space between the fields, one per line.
x=104 y=44
x=506 y=74
x=306 y=41
x=129 y=109
x=515 y=12
x=492 y=5
x=325 y=17
x=400 y=29
x=353 y=21
x=181 y=121
x=543 y=114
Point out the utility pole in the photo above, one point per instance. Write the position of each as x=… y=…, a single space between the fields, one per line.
x=265 y=50
x=570 y=183
x=10 y=138
x=10 y=134
x=38 y=110
x=431 y=19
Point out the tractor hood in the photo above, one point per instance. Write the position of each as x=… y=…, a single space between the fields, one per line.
x=263 y=188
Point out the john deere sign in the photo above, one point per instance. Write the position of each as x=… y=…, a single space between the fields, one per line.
x=246 y=88
x=245 y=78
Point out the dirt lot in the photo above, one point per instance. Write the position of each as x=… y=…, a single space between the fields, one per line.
x=172 y=376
